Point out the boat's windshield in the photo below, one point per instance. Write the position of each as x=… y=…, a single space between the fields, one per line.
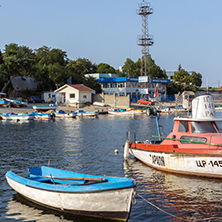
x=219 y=126
x=203 y=127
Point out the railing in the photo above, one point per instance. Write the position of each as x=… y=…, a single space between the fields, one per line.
x=128 y=136
x=213 y=144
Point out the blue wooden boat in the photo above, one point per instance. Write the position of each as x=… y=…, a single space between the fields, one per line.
x=63 y=114
x=42 y=116
x=4 y=102
x=82 y=113
x=19 y=103
x=82 y=194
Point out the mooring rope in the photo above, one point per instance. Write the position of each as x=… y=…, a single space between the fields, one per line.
x=161 y=209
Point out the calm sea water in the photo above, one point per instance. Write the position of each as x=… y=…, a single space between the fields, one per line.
x=87 y=146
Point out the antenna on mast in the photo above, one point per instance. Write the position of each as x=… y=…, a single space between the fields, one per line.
x=145 y=40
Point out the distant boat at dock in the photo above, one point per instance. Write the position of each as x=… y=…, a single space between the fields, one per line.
x=121 y=111
x=45 y=108
x=16 y=117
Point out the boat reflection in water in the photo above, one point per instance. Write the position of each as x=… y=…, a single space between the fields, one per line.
x=188 y=198
x=19 y=208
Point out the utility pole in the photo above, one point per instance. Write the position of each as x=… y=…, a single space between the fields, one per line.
x=145 y=40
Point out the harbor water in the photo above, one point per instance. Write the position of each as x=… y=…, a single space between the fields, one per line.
x=87 y=146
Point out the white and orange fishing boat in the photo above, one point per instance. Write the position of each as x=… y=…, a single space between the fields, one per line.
x=194 y=147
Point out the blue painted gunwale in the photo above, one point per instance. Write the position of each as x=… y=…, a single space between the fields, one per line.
x=60 y=112
x=39 y=114
x=36 y=173
x=4 y=102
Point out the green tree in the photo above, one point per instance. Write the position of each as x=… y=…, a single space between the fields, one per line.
x=92 y=83
x=52 y=70
x=58 y=74
x=18 y=60
x=81 y=66
x=1 y=58
x=182 y=76
x=3 y=78
x=156 y=72
x=196 y=79
x=105 y=68
x=174 y=88
x=77 y=69
x=131 y=68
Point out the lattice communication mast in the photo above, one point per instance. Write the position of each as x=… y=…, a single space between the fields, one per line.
x=145 y=40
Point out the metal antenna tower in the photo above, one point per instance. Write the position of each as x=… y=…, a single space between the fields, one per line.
x=145 y=40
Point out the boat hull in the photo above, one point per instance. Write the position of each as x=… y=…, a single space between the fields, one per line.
x=42 y=117
x=66 y=115
x=182 y=163
x=44 y=108
x=127 y=112
x=81 y=113
x=17 y=117
x=113 y=204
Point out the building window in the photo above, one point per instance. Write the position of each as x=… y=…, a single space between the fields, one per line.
x=72 y=95
x=113 y=85
x=84 y=96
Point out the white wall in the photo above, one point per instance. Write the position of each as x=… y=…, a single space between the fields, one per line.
x=63 y=96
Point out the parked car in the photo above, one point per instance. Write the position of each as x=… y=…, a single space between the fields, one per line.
x=35 y=99
x=145 y=101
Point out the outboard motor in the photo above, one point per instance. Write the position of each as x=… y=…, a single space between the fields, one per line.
x=151 y=111
x=52 y=115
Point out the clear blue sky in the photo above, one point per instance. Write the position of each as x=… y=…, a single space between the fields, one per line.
x=186 y=32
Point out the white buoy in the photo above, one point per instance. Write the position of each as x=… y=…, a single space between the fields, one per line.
x=116 y=151
x=203 y=107
x=126 y=150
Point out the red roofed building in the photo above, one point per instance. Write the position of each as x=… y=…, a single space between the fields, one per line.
x=74 y=94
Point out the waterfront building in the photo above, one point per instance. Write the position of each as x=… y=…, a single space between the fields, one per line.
x=74 y=94
x=135 y=87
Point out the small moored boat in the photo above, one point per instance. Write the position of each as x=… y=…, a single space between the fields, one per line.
x=18 y=103
x=5 y=102
x=121 y=111
x=82 y=113
x=194 y=147
x=63 y=114
x=45 y=108
x=16 y=117
x=89 y=195
x=42 y=116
